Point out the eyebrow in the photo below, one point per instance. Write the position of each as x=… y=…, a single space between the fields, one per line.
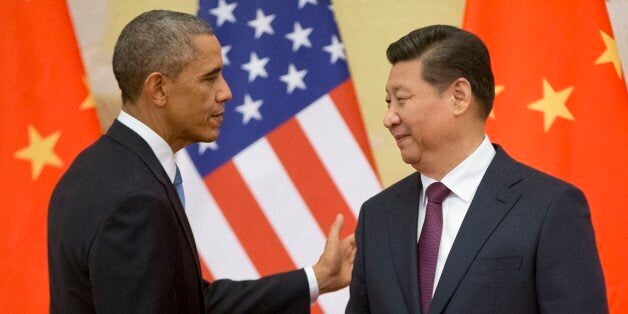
x=396 y=88
x=212 y=72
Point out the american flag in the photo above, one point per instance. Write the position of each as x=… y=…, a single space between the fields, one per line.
x=292 y=152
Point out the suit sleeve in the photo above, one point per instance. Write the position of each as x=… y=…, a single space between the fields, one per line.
x=358 y=299
x=129 y=264
x=569 y=276
x=281 y=293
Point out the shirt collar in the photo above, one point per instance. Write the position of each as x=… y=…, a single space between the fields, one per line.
x=465 y=178
x=160 y=148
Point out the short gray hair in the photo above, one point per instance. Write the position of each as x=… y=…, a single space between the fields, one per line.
x=155 y=41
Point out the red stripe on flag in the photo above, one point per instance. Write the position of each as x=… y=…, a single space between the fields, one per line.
x=247 y=220
x=207 y=275
x=310 y=176
x=315 y=309
x=249 y=223
x=344 y=98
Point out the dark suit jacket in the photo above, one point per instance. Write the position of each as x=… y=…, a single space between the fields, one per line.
x=526 y=245
x=119 y=242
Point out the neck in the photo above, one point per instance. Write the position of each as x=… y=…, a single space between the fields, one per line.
x=153 y=120
x=450 y=157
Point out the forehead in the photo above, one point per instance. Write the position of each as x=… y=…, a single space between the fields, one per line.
x=207 y=51
x=404 y=75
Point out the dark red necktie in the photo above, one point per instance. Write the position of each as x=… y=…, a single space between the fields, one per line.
x=429 y=241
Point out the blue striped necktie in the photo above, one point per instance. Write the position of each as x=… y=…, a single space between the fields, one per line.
x=178 y=184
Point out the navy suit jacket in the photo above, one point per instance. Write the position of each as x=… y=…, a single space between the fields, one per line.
x=119 y=242
x=526 y=245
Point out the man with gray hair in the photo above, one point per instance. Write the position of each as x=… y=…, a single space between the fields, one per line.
x=119 y=240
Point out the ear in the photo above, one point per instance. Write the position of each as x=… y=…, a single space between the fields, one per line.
x=462 y=95
x=154 y=88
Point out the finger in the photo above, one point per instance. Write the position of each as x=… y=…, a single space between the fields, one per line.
x=334 y=230
x=352 y=257
x=351 y=239
x=348 y=247
x=348 y=241
x=351 y=250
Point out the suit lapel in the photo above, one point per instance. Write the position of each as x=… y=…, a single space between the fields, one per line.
x=402 y=230
x=125 y=136
x=492 y=201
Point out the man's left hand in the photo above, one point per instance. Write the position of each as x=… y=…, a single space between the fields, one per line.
x=334 y=267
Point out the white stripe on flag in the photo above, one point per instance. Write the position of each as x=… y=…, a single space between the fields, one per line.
x=280 y=201
x=286 y=211
x=216 y=242
x=335 y=302
x=339 y=152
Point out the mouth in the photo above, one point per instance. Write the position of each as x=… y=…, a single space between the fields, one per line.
x=218 y=115
x=216 y=119
x=400 y=137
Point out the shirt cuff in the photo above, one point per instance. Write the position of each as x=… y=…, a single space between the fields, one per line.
x=311 y=279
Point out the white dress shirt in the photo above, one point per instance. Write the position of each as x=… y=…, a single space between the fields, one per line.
x=165 y=155
x=159 y=146
x=463 y=181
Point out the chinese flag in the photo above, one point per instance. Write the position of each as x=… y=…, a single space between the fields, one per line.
x=47 y=119
x=561 y=106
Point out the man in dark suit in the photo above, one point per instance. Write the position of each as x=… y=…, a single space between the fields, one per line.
x=473 y=230
x=118 y=237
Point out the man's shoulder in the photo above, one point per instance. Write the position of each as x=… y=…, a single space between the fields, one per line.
x=106 y=155
x=409 y=184
x=102 y=177
x=530 y=177
x=108 y=165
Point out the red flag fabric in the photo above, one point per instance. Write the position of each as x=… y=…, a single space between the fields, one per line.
x=561 y=106
x=47 y=119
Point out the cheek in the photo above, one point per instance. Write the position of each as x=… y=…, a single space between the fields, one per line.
x=199 y=108
x=206 y=102
x=417 y=123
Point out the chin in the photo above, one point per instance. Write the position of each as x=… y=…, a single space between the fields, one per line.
x=410 y=159
x=210 y=137
x=406 y=159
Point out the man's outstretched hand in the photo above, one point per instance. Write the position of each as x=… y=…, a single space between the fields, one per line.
x=334 y=267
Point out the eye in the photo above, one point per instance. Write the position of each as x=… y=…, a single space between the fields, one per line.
x=210 y=77
x=387 y=100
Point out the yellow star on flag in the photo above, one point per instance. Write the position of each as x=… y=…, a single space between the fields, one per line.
x=553 y=104
x=88 y=103
x=40 y=151
x=610 y=54
x=498 y=89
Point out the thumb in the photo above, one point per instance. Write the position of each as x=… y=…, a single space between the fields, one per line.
x=334 y=230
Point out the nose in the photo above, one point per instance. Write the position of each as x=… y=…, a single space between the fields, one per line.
x=224 y=92
x=391 y=118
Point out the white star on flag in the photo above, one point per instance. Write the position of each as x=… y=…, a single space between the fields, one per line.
x=261 y=23
x=224 y=50
x=202 y=147
x=335 y=49
x=250 y=109
x=224 y=12
x=256 y=67
x=302 y=3
x=299 y=37
x=293 y=79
